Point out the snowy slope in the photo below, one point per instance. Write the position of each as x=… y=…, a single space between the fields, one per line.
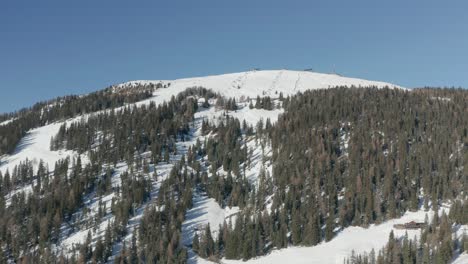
x=35 y=146
x=250 y=116
x=253 y=83
x=6 y=122
x=205 y=211
x=462 y=259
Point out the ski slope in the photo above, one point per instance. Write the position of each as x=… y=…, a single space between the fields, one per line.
x=251 y=84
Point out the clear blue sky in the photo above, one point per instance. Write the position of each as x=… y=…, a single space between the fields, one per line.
x=52 y=48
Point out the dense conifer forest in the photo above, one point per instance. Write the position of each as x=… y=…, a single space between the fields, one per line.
x=339 y=157
x=435 y=245
x=65 y=107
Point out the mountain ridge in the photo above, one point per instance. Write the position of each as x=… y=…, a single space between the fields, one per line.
x=300 y=80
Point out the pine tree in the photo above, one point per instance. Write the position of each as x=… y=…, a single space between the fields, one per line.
x=312 y=229
x=296 y=228
x=464 y=243
x=86 y=249
x=108 y=242
x=2 y=255
x=330 y=225
x=206 y=243
x=1 y=184
x=196 y=243
x=99 y=251
x=133 y=249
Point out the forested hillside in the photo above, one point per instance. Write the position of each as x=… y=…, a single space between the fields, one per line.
x=65 y=107
x=334 y=159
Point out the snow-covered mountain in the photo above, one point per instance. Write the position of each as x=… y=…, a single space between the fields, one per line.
x=244 y=87
x=241 y=86
x=35 y=145
x=261 y=82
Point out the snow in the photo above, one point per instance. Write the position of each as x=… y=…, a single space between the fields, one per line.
x=251 y=84
x=26 y=189
x=335 y=251
x=461 y=230
x=91 y=203
x=462 y=259
x=34 y=147
x=259 y=159
x=446 y=99
x=6 y=122
x=251 y=116
x=80 y=237
x=344 y=139
x=205 y=211
x=163 y=169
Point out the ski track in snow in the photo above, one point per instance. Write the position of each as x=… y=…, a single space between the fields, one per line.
x=240 y=81
x=253 y=83
x=274 y=83
x=296 y=85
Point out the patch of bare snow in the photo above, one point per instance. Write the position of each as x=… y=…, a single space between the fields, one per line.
x=205 y=211
x=34 y=147
x=6 y=122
